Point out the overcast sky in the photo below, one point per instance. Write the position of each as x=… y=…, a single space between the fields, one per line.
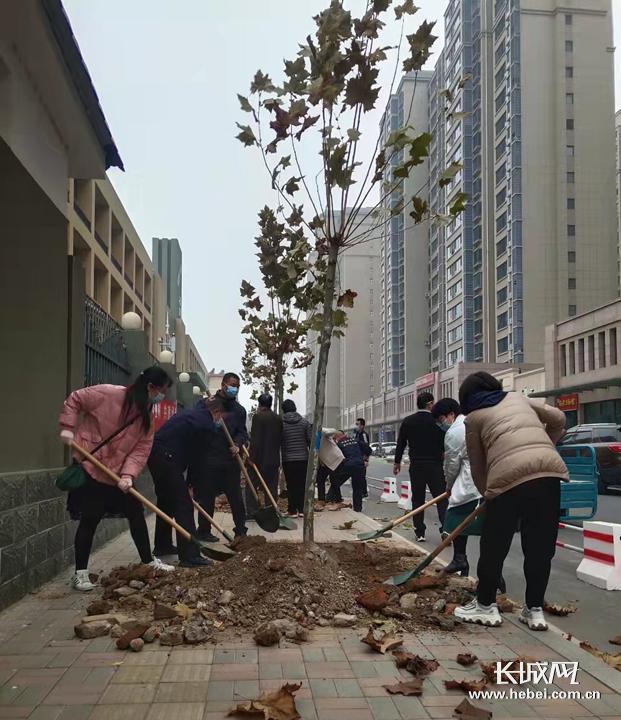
x=167 y=75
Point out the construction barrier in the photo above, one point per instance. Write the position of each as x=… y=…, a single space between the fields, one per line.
x=601 y=564
x=405 y=499
x=389 y=495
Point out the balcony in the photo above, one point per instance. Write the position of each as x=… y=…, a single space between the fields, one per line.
x=101 y=242
x=128 y=280
x=82 y=215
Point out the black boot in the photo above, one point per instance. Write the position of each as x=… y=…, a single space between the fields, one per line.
x=459 y=564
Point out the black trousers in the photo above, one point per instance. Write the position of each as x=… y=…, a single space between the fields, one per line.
x=173 y=498
x=341 y=476
x=423 y=476
x=211 y=480
x=536 y=506
x=295 y=477
x=270 y=475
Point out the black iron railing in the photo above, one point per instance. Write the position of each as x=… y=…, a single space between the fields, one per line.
x=105 y=354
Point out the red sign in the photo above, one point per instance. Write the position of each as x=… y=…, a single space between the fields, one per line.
x=425 y=381
x=568 y=403
x=162 y=412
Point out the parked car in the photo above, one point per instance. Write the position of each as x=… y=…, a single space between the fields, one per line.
x=377 y=449
x=606 y=439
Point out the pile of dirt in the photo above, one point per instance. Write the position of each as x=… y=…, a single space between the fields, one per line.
x=332 y=584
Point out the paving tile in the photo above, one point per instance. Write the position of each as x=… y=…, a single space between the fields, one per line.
x=280 y=655
x=363 y=669
x=46 y=712
x=138 y=674
x=383 y=708
x=348 y=688
x=186 y=673
x=120 y=712
x=223 y=656
x=243 y=671
x=76 y=712
x=313 y=654
x=269 y=671
x=329 y=670
x=16 y=711
x=220 y=690
x=178 y=711
x=246 y=689
x=146 y=658
x=194 y=657
x=344 y=714
x=341 y=702
x=323 y=688
x=216 y=715
x=181 y=692
x=334 y=654
x=246 y=656
x=306 y=708
x=69 y=696
x=127 y=693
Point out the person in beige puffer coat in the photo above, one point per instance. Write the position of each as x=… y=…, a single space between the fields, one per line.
x=515 y=466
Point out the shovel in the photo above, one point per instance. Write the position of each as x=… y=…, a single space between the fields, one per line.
x=212 y=550
x=285 y=522
x=227 y=535
x=409 y=574
x=402 y=519
x=266 y=517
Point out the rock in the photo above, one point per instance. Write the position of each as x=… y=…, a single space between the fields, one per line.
x=136 y=644
x=439 y=605
x=99 y=607
x=226 y=597
x=112 y=618
x=136 y=584
x=373 y=600
x=151 y=634
x=163 y=612
x=124 y=591
x=291 y=630
x=172 y=636
x=133 y=630
x=344 y=620
x=267 y=634
x=426 y=582
x=116 y=632
x=194 y=633
x=408 y=601
x=323 y=622
x=88 y=631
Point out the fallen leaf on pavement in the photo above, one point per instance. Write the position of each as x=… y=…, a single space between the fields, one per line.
x=466 y=685
x=468 y=711
x=466 y=659
x=414 y=663
x=409 y=688
x=559 y=610
x=512 y=665
x=278 y=705
x=614 y=660
x=373 y=600
x=504 y=604
x=346 y=525
x=615 y=640
x=381 y=639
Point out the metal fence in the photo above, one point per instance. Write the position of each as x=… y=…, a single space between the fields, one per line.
x=105 y=354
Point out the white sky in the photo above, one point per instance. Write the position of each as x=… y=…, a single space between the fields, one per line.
x=167 y=75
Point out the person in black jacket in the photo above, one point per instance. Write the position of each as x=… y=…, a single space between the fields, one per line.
x=214 y=469
x=425 y=439
x=296 y=441
x=174 y=445
x=363 y=439
x=352 y=467
x=265 y=440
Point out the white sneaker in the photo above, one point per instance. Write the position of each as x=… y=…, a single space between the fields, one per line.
x=157 y=564
x=480 y=614
x=534 y=618
x=81 y=581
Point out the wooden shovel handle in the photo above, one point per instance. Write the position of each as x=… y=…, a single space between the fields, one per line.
x=147 y=503
x=241 y=462
x=262 y=480
x=451 y=536
x=207 y=516
x=417 y=510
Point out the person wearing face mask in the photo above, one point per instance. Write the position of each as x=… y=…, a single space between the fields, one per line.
x=363 y=440
x=215 y=469
x=114 y=423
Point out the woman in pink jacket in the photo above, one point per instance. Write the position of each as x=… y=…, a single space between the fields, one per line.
x=120 y=418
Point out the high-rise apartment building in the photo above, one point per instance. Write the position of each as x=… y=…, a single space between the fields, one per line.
x=167 y=259
x=522 y=97
x=618 y=185
x=404 y=319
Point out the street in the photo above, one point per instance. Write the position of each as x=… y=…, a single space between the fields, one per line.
x=597 y=618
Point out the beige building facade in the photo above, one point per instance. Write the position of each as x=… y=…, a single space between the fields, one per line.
x=618 y=189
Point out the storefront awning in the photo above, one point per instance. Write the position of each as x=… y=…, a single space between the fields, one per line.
x=595 y=385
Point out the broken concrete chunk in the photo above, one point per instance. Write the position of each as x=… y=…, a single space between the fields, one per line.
x=88 y=631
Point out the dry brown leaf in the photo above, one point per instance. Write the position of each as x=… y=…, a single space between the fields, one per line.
x=614 y=660
x=504 y=604
x=414 y=663
x=376 y=599
x=466 y=659
x=559 y=610
x=346 y=525
x=278 y=705
x=489 y=669
x=409 y=688
x=468 y=711
x=466 y=685
x=382 y=640
x=615 y=640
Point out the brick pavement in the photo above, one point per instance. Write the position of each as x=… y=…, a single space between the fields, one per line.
x=48 y=674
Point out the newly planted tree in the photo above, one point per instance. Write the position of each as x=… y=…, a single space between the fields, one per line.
x=319 y=106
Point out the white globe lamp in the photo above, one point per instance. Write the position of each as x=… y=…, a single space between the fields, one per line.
x=166 y=357
x=131 y=321
x=196 y=390
x=184 y=377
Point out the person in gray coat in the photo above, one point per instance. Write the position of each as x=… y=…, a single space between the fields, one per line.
x=296 y=440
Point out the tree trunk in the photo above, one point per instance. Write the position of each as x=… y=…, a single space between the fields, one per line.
x=280 y=387
x=325 y=340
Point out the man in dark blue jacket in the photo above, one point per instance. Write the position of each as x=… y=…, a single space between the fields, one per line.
x=174 y=446
x=352 y=467
x=214 y=469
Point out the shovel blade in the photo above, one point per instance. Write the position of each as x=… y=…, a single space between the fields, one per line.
x=402 y=578
x=370 y=535
x=267 y=519
x=215 y=551
x=287 y=523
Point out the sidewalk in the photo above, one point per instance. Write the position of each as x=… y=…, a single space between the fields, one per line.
x=48 y=674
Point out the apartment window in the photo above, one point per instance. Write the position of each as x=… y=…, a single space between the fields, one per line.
x=454 y=247
x=478 y=304
x=572 y=310
x=601 y=349
x=581 y=355
x=569 y=71
x=455 y=312
x=502 y=296
x=591 y=341
x=571 y=256
x=569 y=45
x=501 y=247
x=456 y=356
x=569 y=124
x=571 y=178
x=478 y=327
x=571 y=203
x=453 y=269
x=570 y=150
x=454 y=290
x=571 y=283
x=501 y=222
x=502 y=321
x=569 y=98
x=501 y=271
x=569 y=20
x=455 y=334
x=501 y=197
x=563 y=359
x=572 y=358
x=503 y=345
x=571 y=231
x=501 y=173
x=613 y=346
x=500 y=124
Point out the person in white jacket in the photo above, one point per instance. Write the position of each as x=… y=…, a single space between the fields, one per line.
x=459 y=482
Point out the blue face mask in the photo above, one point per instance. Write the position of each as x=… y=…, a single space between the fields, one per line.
x=232 y=391
x=445 y=425
x=158 y=398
